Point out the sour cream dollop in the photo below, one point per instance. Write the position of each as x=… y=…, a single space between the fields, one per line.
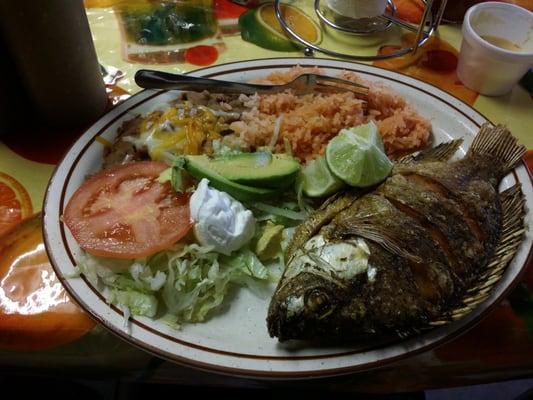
x=220 y=220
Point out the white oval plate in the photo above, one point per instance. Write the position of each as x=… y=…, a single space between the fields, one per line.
x=236 y=340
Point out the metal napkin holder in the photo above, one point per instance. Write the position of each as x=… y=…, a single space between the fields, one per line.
x=427 y=27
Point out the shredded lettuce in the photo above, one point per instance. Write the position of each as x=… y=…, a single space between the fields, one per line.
x=303 y=203
x=135 y=302
x=179 y=285
x=284 y=212
x=287 y=213
x=247 y=262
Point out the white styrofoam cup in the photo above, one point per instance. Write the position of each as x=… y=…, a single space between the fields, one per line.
x=489 y=69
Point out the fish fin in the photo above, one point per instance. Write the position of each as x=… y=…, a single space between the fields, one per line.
x=497 y=141
x=442 y=152
x=513 y=204
x=331 y=199
x=379 y=235
x=513 y=210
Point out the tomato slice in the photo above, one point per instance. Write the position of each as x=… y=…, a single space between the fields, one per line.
x=125 y=212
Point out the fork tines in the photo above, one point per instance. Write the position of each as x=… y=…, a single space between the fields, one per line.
x=336 y=84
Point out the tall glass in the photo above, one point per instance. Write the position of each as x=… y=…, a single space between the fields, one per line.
x=52 y=48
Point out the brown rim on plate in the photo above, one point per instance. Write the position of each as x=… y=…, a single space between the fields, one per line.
x=240 y=371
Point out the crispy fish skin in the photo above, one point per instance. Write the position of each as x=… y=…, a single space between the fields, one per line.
x=321 y=217
x=400 y=255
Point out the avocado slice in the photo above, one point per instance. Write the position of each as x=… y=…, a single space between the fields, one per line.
x=200 y=169
x=259 y=169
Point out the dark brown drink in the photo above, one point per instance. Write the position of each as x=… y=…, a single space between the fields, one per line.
x=52 y=47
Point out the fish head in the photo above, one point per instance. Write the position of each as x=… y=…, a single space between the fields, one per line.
x=301 y=306
x=316 y=289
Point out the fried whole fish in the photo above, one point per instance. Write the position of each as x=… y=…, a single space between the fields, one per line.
x=401 y=254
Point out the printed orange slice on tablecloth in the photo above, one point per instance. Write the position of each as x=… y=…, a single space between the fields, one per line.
x=409 y=10
x=15 y=203
x=435 y=63
x=35 y=311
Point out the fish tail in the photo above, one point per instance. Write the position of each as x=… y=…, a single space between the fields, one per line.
x=498 y=142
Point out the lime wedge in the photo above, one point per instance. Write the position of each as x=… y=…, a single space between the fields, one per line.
x=318 y=181
x=261 y=27
x=357 y=156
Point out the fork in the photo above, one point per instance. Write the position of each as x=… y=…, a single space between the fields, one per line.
x=303 y=84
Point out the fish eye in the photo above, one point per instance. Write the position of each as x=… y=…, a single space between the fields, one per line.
x=318 y=302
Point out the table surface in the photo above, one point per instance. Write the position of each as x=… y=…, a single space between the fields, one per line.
x=499 y=347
